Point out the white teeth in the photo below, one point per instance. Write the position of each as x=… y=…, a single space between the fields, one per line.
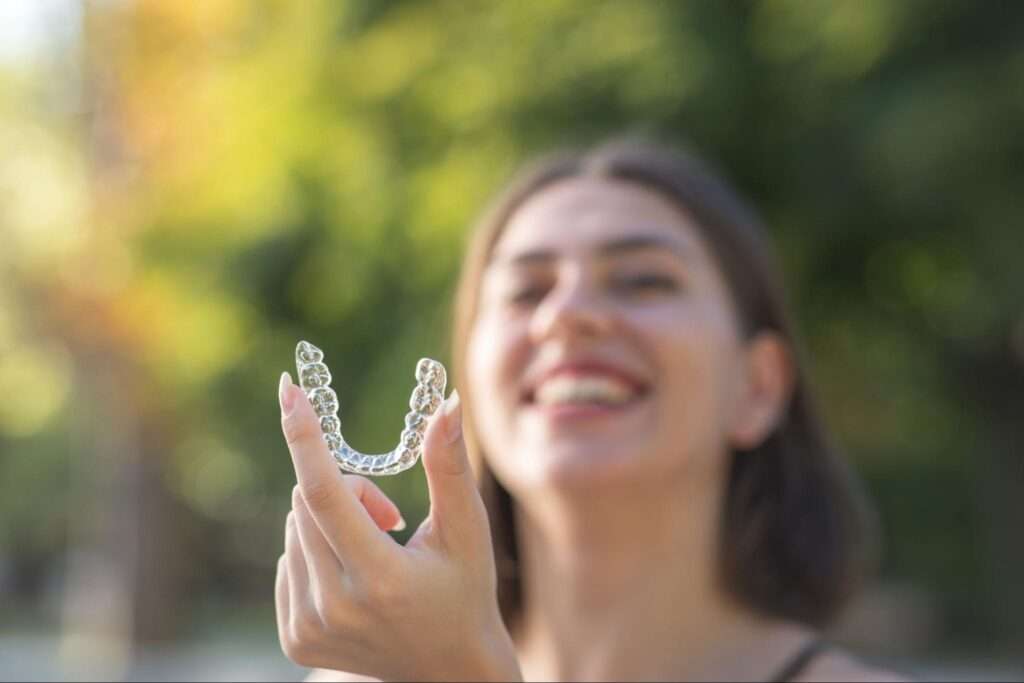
x=569 y=389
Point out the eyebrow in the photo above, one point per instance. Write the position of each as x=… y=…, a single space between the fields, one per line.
x=611 y=248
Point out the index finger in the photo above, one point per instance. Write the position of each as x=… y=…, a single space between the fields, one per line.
x=344 y=522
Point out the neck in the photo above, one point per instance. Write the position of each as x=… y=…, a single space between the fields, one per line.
x=623 y=585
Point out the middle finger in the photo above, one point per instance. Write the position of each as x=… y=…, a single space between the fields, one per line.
x=322 y=564
x=298 y=575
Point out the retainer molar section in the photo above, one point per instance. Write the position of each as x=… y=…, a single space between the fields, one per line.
x=324 y=400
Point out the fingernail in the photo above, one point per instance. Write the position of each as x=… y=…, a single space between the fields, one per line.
x=285 y=394
x=453 y=416
x=400 y=526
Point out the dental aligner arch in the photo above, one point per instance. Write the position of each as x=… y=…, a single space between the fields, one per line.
x=315 y=379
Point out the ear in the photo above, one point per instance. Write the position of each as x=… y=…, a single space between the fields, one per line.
x=765 y=390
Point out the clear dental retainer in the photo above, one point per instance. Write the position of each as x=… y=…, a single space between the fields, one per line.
x=427 y=396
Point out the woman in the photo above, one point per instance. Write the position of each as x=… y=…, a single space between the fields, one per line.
x=654 y=496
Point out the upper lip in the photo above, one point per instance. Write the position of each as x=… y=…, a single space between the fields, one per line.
x=585 y=366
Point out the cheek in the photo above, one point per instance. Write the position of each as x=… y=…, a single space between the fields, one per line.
x=496 y=357
x=695 y=352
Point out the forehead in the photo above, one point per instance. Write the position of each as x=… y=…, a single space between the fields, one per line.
x=579 y=215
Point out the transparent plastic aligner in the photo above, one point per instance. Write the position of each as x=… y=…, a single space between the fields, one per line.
x=427 y=396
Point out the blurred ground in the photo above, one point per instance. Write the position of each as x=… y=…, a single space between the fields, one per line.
x=35 y=658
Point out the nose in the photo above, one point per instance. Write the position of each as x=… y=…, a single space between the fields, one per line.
x=571 y=309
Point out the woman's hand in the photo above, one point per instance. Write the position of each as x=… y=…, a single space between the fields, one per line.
x=350 y=598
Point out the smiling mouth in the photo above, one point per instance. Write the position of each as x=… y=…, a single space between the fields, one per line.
x=588 y=393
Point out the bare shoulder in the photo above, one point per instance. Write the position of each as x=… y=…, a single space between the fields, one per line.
x=327 y=676
x=836 y=665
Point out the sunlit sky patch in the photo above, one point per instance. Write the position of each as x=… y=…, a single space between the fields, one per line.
x=32 y=29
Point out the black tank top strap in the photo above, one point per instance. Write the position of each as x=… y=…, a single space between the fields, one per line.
x=799 y=661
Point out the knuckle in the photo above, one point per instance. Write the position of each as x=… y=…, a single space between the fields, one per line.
x=306 y=628
x=294 y=650
x=362 y=594
x=296 y=429
x=296 y=497
x=357 y=483
x=384 y=593
x=318 y=495
x=290 y=643
x=336 y=617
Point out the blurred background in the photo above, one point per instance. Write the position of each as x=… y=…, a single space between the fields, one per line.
x=188 y=188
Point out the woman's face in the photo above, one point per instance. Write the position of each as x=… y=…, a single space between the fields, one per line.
x=605 y=347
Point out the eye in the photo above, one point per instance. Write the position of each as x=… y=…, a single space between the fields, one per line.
x=642 y=283
x=526 y=295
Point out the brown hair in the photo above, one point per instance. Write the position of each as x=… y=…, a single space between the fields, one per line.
x=793 y=540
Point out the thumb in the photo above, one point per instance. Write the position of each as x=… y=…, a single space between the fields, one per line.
x=456 y=510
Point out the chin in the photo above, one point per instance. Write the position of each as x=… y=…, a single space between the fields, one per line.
x=577 y=466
